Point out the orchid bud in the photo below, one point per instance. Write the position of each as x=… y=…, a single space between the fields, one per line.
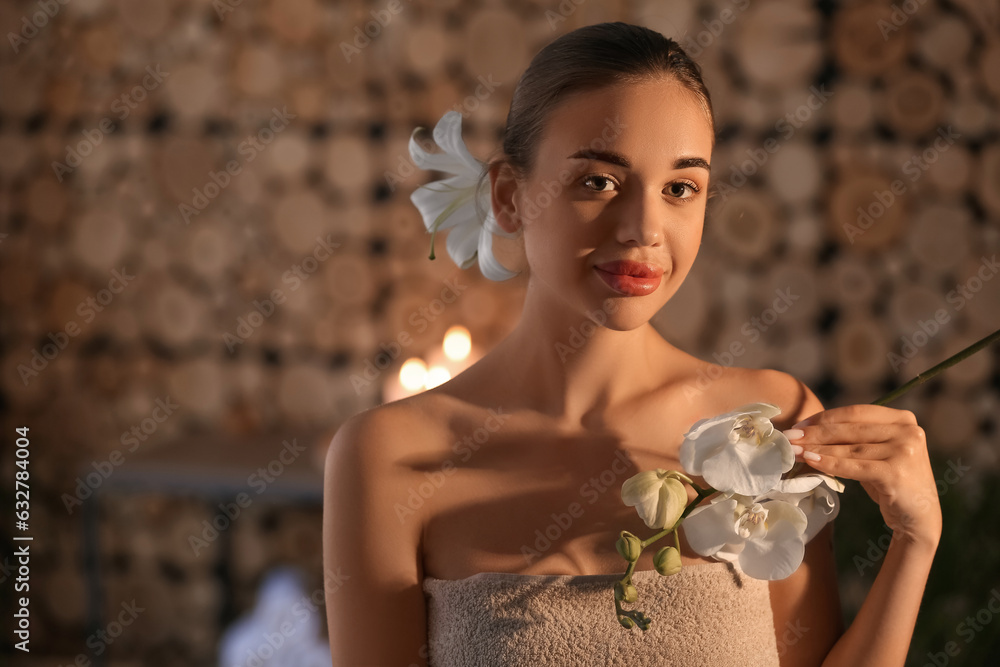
x=625 y=592
x=667 y=561
x=626 y=622
x=629 y=546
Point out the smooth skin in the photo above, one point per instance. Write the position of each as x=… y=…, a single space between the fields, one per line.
x=459 y=479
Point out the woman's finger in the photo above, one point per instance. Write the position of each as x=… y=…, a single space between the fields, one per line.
x=864 y=451
x=828 y=434
x=862 y=470
x=860 y=413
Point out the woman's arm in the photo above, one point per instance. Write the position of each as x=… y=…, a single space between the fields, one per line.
x=886 y=451
x=376 y=610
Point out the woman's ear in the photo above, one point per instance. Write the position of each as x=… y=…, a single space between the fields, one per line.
x=503 y=196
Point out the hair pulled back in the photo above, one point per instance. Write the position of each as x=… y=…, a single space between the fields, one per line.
x=589 y=58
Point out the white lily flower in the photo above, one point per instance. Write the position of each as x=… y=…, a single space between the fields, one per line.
x=658 y=496
x=817 y=495
x=739 y=451
x=765 y=536
x=451 y=202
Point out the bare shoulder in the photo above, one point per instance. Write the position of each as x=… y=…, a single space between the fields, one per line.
x=796 y=400
x=381 y=435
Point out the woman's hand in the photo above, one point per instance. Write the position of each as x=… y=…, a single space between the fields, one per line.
x=884 y=449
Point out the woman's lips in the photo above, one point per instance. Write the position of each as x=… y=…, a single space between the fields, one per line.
x=630 y=278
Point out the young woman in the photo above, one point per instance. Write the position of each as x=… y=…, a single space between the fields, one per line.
x=514 y=467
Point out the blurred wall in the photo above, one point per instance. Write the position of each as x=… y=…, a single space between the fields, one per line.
x=205 y=205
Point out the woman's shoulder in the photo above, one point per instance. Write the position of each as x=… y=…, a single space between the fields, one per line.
x=796 y=400
x=741 y=386
x=381 y=435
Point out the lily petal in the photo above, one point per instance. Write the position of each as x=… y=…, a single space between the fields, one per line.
x=424 y=159
x=462 y=243
x=488 y=263
x=448 y=135
x=441 y=206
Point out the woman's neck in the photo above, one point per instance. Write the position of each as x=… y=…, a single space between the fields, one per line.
x=574 y=369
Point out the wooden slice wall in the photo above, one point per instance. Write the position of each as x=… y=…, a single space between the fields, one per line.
x=257 y=296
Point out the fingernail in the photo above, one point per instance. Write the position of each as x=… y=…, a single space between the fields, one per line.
x=811 y=456
x=794 y=433
x=801 y=423
x=796 y=449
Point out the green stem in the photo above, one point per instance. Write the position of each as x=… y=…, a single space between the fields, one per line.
x=931 y=372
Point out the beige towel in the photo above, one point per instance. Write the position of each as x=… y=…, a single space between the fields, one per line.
x=709 y=614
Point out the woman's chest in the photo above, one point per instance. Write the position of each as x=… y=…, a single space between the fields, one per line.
x=533 y=500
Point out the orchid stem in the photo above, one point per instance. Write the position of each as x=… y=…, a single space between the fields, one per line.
x=934 y=370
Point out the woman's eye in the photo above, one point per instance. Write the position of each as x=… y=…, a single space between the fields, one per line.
x=677 y=189
x=600 y=183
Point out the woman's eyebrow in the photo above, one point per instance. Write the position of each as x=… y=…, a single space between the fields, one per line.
x=617 y=158
x=604 y=156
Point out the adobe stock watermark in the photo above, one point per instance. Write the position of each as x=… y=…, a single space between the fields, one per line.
x=88 y=310
x=786 y=127
x=258 y=481
x=272 y=641
x=363 y=35
x=565 y=9
x=901 y=13
x=469 y=444
x=790 y=636
x=130 y=440
x=249 y=149
x=967 y=629
x=122 y=107
x=713 y=29
x=958 y=298
x=47 y=10
x=295 y=276
x=878 y=548
x=99 y=641
x=592 y=490
x=223 y=7
x=578 y=336
x=752 y=330
x=915 y=167
x=405 y=166
x=421 y=319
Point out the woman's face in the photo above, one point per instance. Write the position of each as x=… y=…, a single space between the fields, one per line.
x=621 y=173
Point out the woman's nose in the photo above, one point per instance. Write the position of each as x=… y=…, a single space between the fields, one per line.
x=641 y=222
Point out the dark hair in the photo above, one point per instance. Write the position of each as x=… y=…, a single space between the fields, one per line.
x=589 y=58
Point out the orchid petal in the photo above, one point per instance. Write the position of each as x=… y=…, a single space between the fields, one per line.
x=710 y=527
x=780 y=550
x=744 y=469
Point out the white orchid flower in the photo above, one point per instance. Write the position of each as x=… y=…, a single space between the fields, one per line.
x=658 y=496
x=738 y=452
x=451 y=202
x=817 y=495
x=764 y=536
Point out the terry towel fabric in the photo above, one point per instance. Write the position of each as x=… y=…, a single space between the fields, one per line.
x=709 y=614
